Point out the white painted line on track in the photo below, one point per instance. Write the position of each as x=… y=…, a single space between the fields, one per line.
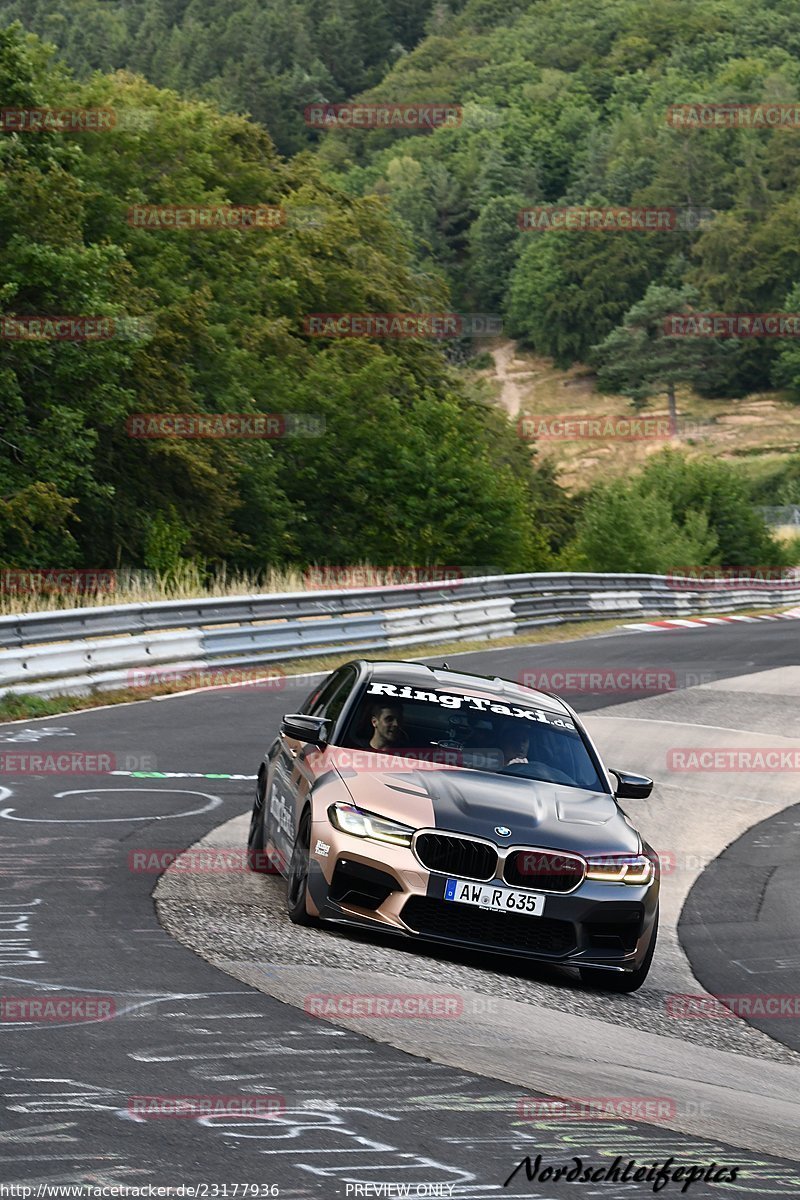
x=179 y=775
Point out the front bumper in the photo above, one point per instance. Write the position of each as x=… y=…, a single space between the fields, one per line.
x=604 y=925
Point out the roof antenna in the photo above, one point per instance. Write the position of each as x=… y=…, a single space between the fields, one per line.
x=445 y=666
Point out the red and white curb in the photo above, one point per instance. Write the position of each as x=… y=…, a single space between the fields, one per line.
x=694 y=622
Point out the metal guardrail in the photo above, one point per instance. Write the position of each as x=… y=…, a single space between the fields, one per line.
x=91 y=649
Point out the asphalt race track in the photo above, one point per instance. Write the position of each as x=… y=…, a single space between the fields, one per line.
x=741 y=921
x=79 y=922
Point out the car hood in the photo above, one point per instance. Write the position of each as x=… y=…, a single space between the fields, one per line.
x=476 y=802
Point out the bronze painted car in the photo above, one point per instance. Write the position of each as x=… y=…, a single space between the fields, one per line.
x=458 y=809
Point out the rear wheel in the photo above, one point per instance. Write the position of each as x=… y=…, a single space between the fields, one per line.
x=256 y=852
x=618 y=981
x=297 y=886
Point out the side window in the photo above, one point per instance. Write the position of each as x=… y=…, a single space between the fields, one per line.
x=328 y=701
x=307 y=707
x=321 y=694
x=340 y=696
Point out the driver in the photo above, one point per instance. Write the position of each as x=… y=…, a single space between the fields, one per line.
x=514 y=745
x=386 y=719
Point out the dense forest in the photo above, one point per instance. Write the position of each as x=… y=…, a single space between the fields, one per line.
x=566 y=104
x=269 y=58
x=563 y=104
x=410 y=467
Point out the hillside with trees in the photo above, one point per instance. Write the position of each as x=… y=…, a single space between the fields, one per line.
x=410 y=468
x=566 y=104
x=563 y=104
x=269 y=58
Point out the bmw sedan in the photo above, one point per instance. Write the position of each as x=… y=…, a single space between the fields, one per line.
x=458 y=809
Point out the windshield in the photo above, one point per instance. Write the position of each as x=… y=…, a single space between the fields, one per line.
x=446 y=729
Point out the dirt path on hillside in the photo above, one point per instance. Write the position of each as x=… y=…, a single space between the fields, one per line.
x=505 y=359
x=526 y=383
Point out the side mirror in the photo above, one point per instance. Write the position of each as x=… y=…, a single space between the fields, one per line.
x=305 y=729
x=631 y=786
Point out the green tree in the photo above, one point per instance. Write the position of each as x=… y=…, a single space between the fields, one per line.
x=495 y=243
x=786 y=370
x=164 y=540
x=722 y=493
x=569 y=289
x=641 y=358
x=408 y=481
x=676 y=513
x=631 y=529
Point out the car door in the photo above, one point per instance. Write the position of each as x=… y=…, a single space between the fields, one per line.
x=292 y=774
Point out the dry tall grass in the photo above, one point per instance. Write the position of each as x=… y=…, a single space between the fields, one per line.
x=191 y=582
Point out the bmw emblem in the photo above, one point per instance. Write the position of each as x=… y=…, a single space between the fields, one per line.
x=502 y=831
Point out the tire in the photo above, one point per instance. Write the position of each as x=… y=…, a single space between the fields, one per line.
x=629 y=981
x=297 y=883
x=256 y=853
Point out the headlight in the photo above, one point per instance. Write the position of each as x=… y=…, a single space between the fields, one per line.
x=364 y=824
x=621 y=868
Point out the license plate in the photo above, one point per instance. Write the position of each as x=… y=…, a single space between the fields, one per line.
x=496 y=899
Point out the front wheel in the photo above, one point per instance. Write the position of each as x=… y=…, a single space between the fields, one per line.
x=256 y=854
x=297 y=886
x=629 y=981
